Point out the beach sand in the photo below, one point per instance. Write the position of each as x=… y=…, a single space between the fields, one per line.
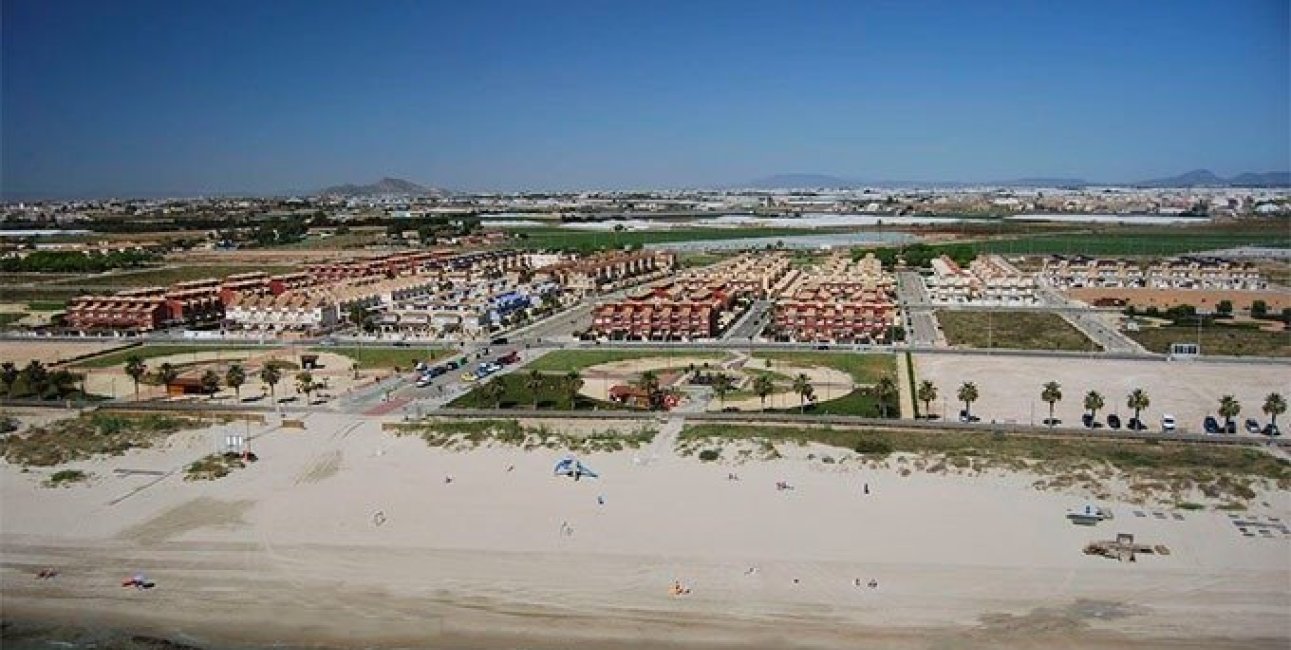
x=289 y=551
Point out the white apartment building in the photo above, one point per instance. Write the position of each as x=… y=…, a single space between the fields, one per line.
x=988 y=280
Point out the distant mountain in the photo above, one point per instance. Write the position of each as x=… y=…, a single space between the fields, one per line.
x=385 y=186
x=1207 y=178
x=801 y=181
x=1043 y=182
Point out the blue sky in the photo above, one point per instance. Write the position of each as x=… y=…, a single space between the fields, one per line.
x=254 y=96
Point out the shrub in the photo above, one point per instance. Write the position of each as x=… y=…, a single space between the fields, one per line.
x=876 y=446
x=710 y=455
x=66 y=476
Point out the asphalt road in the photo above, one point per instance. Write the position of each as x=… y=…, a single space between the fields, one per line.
x=750 y=324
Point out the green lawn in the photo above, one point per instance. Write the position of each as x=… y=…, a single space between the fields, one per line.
x=46 y=305
x=171 y=275
x=1224 y=340
x=553 y=394
x=863 y=368
x=146 y=352
x=1022 y=330
x=571 y=239
x=562 y=361
x=9 y=318
x=40 y=293
x=1161 y=240
x=387 y=358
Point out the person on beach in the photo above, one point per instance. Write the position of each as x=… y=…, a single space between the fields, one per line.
x=867 y=488
x=874 y=584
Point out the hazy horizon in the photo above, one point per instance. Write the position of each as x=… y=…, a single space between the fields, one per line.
x=163 y=99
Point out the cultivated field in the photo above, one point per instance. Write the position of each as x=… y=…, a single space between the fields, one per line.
x=169 y=275
x=1012 y=329
x=1009 y=386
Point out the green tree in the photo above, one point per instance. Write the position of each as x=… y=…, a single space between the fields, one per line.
x=270 y=374
x=359 y=317
x=649 y=382
x=573 y=384
x=1093 y=403
x=1052 y=393
x=722 y=384
x=305 y=383
x=494 y=391
x=8 y=375
x=1274 y=405
x=802 y=386
x=136 y=369
x=927 y=393
x=234 y=377
x=884 y=392
x=967 y=394
x=763 y=386
x=1259 y=309
x=210 y=382
x=1224 y=308
x=1137 y=401
x=1229 y=408
x=166 y=373
x=533 y=383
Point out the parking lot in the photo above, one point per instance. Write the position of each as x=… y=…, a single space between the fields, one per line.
x=1009 y=387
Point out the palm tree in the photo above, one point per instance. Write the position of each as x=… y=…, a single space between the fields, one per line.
x=722 y=384
x=1274 y=405
x=1138 y=400
x=37 y=376
x=305 y=383
x=884 y=390
x=649 y=382
x=1093 y=403
x=1229 y=407
x=210 y=382
x=166 y=373
x=573 y=384
x=270 y=375
x=136 y=368
x=967 y=394
x=494 y=391
x=1052 y=394
x=927 y=393
x=532 y=383
x=234 y=377
x=762 y=387
x=802 y=386
x=8 y=374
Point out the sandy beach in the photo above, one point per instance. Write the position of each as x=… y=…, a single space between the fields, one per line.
x=344 y=535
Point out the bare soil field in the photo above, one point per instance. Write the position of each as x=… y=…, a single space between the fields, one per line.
x=1009 y=386
x=50 y=352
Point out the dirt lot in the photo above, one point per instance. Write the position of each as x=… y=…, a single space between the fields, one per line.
x=49 y=352
x=1009 y=386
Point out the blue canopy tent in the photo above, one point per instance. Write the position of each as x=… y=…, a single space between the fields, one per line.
x=571 y=466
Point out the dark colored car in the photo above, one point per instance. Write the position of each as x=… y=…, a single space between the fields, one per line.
x=500 y=340
x=1230 y=427
x=1252 y=425
x=1114 y=421
x=965 y=416
x=1089 y=421
x=1271 y=430
x=1210 y=424
x=1135 y=425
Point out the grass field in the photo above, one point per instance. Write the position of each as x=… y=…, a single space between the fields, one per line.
x=1224 y=340
x=146 y=352
x=1138 y=240
x=1014 y=330
x=563 y=361
x=387 y=358
x=553 y=394
x=46 y=305
x=863 y=368
x=42 y=293
x=9 y=318
x=170 y=275
x=570 y=239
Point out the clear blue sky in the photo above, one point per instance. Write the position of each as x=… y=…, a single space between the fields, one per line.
x=270 y=95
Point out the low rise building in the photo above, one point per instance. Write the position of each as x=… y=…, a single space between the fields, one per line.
x=1199 y=273
x=988 y=280
x=665 y=313
x=837 y=301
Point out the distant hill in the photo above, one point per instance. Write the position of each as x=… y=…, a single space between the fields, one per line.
x=1207 y=178
x=801 y=181
x=384 y=186
x=1043 y=182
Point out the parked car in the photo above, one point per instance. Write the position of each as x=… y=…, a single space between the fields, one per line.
x=424 y=381
x=500 y=340
x=469 y=377
x=436 y=371
x=1230 y=427
x=1167 y=423
x=1135 y=425
x=965 y=416
x=1252 y=425
x=1271 y=429
x=1210 y=424
x=402 y=344
x=1114 y=421
x=1089 y=421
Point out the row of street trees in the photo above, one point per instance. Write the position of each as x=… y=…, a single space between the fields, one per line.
x=1137 y=400
x=234 y=377
x=38 y=381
